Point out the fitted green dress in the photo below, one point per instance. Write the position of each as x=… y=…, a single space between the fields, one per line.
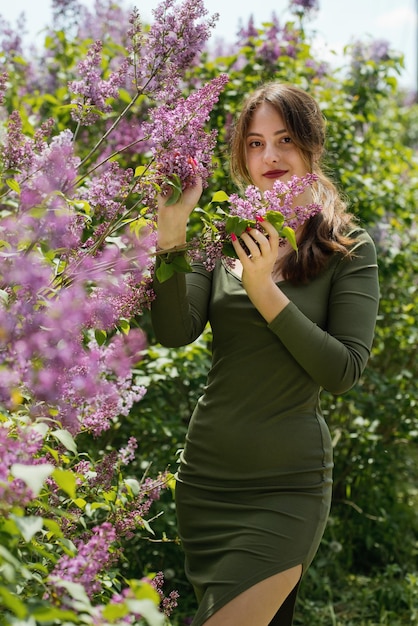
x=254 y=484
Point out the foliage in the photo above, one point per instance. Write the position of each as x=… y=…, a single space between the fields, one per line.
x=82 y=147
x=76 y=268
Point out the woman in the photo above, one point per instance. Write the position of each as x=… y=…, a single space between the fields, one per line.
x=254 y=484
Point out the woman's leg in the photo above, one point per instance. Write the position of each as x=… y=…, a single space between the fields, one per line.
x=258 y=605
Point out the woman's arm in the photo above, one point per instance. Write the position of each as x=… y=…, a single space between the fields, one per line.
x=336 y=357
x=179 y=313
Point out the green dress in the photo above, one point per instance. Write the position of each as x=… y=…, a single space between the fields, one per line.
x=254 y=484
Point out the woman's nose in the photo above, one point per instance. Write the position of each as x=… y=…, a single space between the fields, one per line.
x=271 y=154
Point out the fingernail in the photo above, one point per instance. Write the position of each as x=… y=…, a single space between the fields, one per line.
x=233 y=237
x=259 y=218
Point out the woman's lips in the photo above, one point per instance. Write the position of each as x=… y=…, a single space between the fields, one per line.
x=275 y=173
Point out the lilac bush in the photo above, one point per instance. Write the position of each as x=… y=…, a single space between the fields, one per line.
x=77 y=248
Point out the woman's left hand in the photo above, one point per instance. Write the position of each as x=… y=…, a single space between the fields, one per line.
x=263 y=250
x=257 y=269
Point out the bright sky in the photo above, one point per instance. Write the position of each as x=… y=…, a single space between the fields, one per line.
x=337 y=24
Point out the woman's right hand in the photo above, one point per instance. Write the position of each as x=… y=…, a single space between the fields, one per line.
x=172 y=218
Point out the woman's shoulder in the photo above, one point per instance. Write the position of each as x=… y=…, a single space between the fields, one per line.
x=362 y=242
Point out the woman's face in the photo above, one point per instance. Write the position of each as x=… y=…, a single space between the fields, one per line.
x=271 y=153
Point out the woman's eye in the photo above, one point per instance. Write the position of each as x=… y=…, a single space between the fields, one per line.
x=254 y=144
x=286 y=139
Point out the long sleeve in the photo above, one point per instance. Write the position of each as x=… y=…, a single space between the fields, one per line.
x=336 y=357
x=180 y=311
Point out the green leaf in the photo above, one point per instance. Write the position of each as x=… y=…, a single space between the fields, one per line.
x=28 y=526
x=13 y=184
x=174 y=197
x=124 y=326
x=13 y=603
x=66 y=481
x=147 y=526
x=113 y=612
x=181 y=264
x=289 y=233
x=164 y=271
x=82 y=206
x=66 y=439
x=235 y=224
x=229 y=250
x=276 y=219
x=33 y=475
x=220 y=196
x=140 y=170
x=4 y=296
x=100 y=336
x=133 y=485
x=148 y=610
x=53 y=527
x=76 y=591
x=55 y=615
x=80 y=502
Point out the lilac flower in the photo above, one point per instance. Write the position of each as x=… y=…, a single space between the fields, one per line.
x=3 y=85
x=92 y=557
x=44 y=349
x=379 y=50
x=105 y=22
x=277 y=206
x=92 y=89
x=305 y=6
x=281 y=199
x=376 y=50
x=127 y=454
x=17 y=150
x=11 y=43
x=168 y=603
x=131 y=517
x=176 y=36
x=180 y=144
x=106 y=192
x=270 y=50
x=248 y=32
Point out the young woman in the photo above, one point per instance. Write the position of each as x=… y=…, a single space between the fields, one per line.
x=254 y=484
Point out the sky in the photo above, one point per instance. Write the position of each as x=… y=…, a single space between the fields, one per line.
x=338 y=22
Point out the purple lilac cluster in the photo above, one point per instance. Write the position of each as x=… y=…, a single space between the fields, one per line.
x=131 y=517
x=92 y=90
x=210 y=247
x=51 y=309
x=45 y=352
x=127 y=454
x=377 y=50
x=92 y=557
x=106 y=191
x=281 y=199
x=304 y=5
x=176 y=36
x=156 y=582
x=4 y=76
x=180 y=144
x=168 y=603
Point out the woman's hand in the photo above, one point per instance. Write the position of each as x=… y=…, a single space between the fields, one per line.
x=263 y=250
x=257 y=269
x=172 y=218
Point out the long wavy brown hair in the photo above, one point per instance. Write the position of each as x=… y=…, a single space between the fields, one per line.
x=327 y=232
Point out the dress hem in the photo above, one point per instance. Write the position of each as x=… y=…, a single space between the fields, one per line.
x=247 y=584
